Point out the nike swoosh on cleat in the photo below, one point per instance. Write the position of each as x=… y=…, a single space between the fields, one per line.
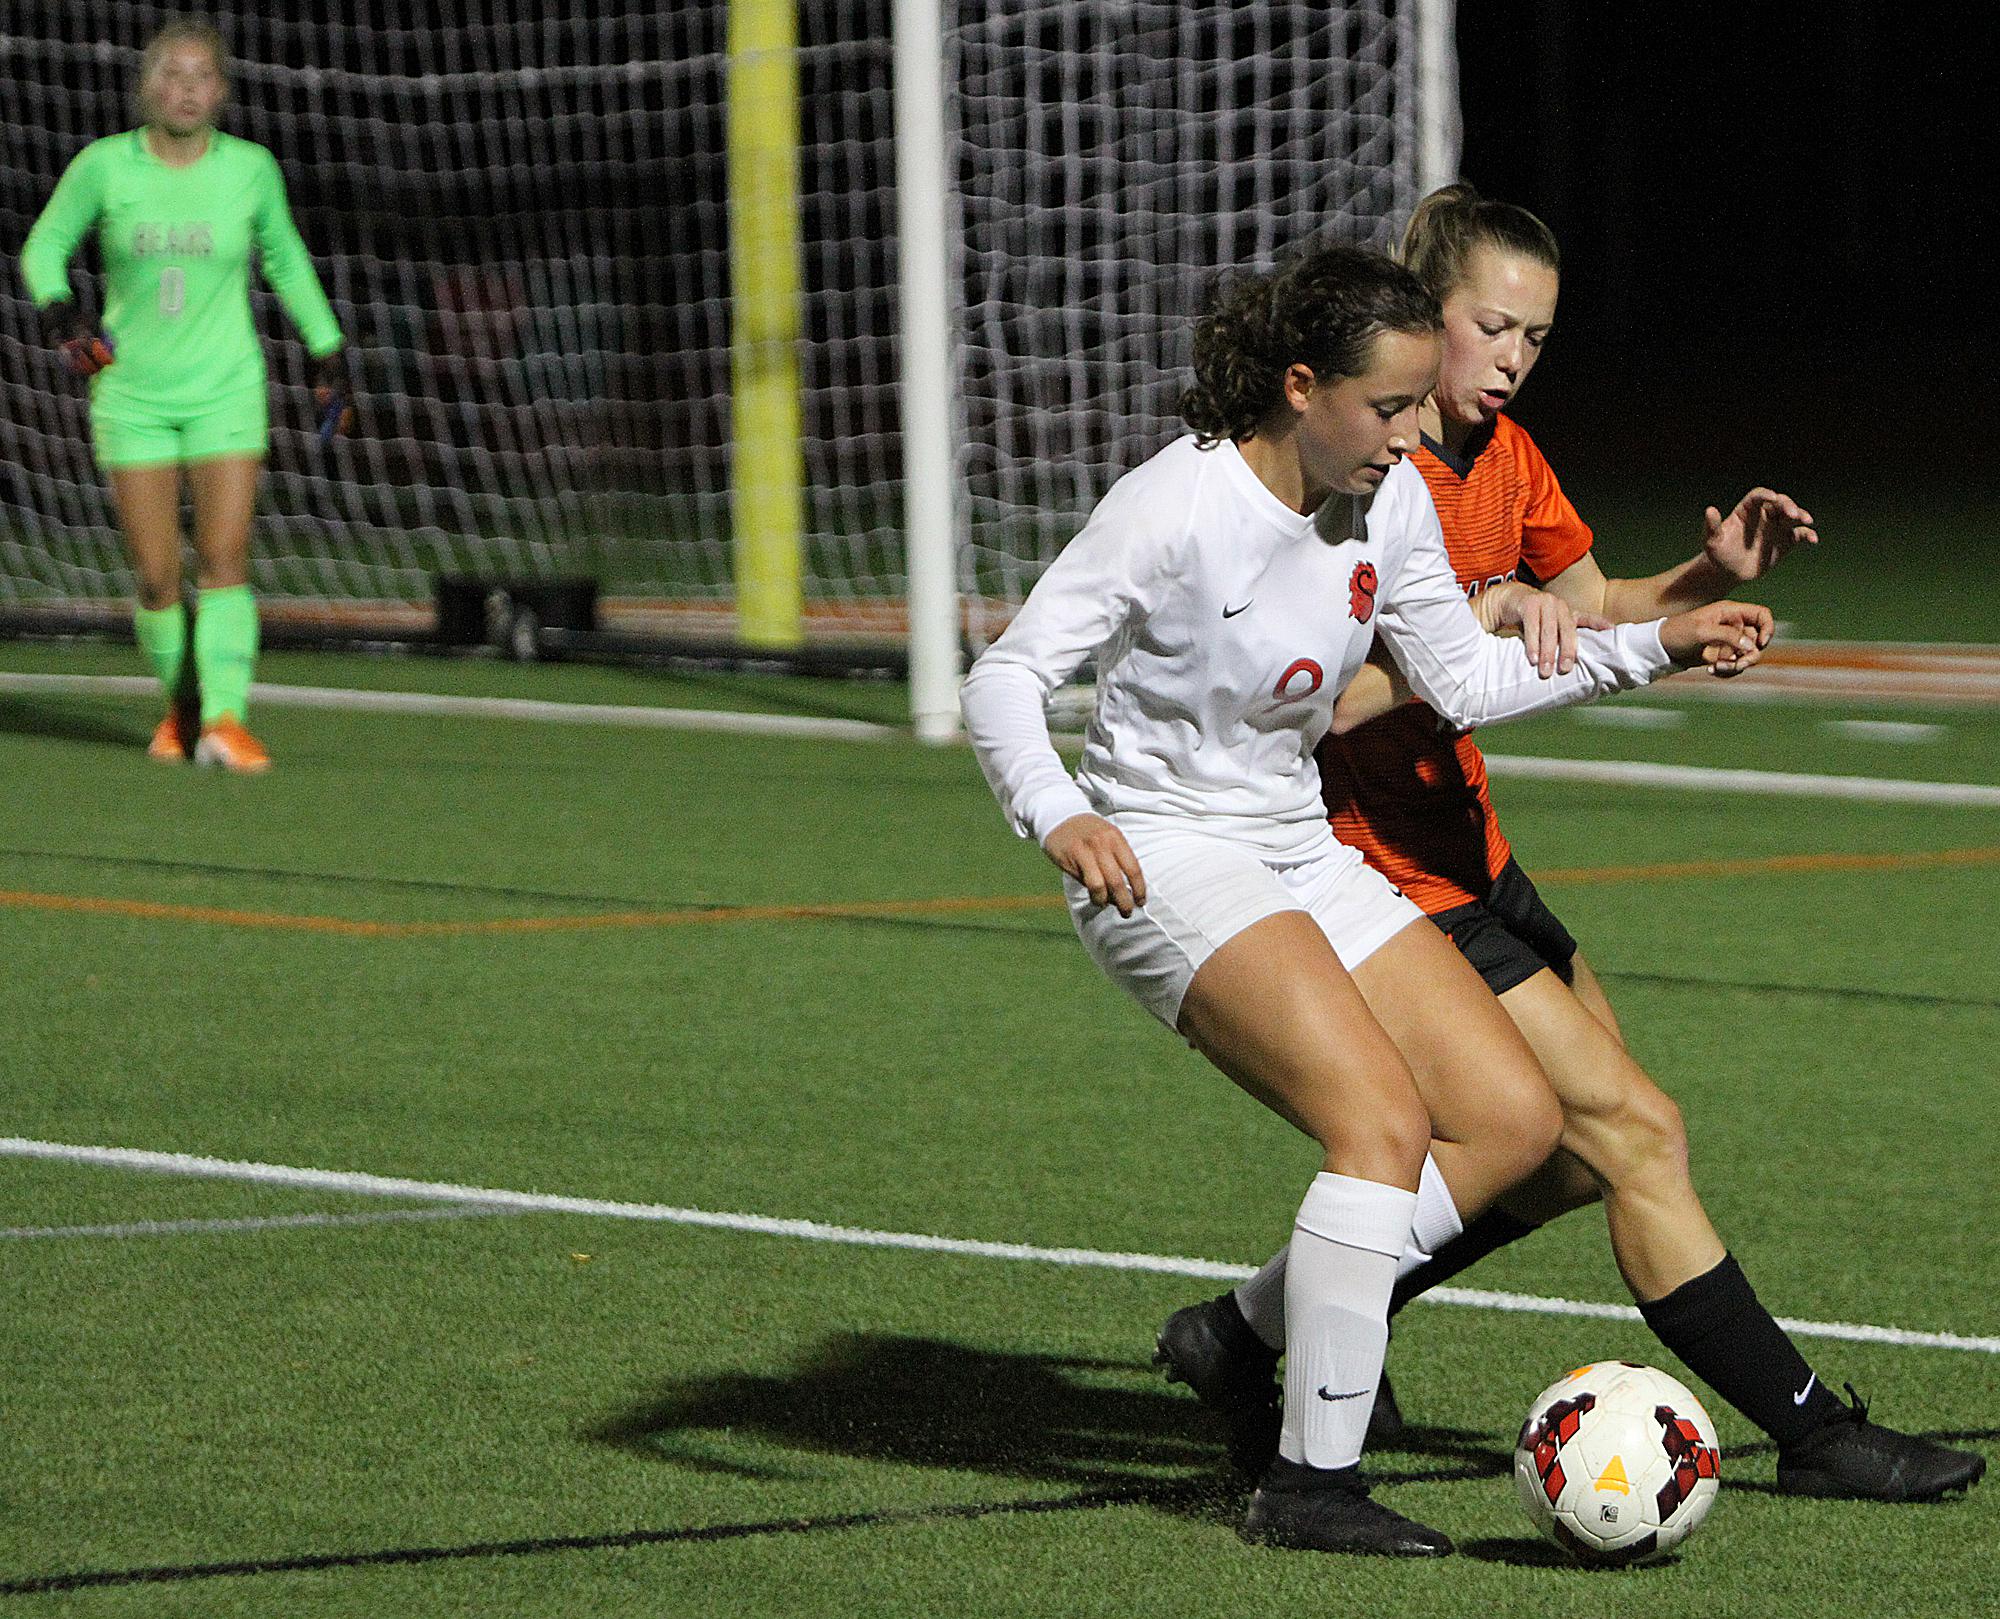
x=1800 y=1397
x=1352 y=1394
x=1231 y=612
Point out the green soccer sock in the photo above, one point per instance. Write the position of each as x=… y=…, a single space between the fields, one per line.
x=162 y=633
x=225 y=651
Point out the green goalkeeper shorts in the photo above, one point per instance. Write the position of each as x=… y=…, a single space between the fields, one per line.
x=129 y=433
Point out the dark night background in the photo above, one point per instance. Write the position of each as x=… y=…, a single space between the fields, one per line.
x=1777 y=222
x=1778 y=226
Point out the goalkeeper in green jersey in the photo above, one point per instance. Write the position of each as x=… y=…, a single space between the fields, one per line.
x=177 y=374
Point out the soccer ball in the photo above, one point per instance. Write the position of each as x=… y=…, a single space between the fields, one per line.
x=1617 y=1463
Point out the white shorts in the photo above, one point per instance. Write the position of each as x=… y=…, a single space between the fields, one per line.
x=1202 y=890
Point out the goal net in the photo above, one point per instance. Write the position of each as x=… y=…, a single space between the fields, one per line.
x=523 y=216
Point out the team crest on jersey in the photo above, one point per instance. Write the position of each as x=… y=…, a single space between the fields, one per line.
x=1361 y=592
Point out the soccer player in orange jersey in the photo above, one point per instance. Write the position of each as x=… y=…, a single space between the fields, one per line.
x=1411 y=795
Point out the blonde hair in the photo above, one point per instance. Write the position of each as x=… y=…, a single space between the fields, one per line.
x=187 y=32
x=1455 y=219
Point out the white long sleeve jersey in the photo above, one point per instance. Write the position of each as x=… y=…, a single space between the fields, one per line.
x=1225 y=625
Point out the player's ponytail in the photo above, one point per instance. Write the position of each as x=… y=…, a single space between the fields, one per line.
x=1321 y=308
x=1455 y=219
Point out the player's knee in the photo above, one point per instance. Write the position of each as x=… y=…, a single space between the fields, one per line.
x=1518 y=1123
x=1531 y=1128
x=1652 y=1139
x=157 y=589
x=1385 y=1142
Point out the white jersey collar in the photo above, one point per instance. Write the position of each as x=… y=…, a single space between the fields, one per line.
x=1258 y=493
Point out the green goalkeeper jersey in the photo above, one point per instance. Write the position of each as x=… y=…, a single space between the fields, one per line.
x=176 y=247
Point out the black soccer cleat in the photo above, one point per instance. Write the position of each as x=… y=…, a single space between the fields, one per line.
x=1853 y=1459
x=1232 y=1371
x=1329 y=1510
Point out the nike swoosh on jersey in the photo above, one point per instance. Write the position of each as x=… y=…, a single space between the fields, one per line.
x=1352 y=1394
x=1231 y=612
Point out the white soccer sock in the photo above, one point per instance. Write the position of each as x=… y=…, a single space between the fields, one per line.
x=1437 y=1220
x=1337 y=1285
x=1262 y=1300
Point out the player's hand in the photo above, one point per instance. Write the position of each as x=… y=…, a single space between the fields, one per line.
x=333 y=394
x=1545 y=622
x=1728 y=637
x=1757 y=535
x=1095 y=853
x=85 y=350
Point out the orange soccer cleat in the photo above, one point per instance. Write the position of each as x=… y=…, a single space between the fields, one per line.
x=227 y=744
x=169 y=744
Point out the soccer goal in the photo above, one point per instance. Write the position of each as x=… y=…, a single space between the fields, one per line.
x=788 y=322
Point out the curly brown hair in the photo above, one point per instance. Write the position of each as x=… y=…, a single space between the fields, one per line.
x=1321 y=308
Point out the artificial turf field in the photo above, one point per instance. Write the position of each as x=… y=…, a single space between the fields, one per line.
x=319 y=1402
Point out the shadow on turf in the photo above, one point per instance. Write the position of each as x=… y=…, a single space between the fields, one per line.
x=69 y=723
x=1107 y=1433
x=929 y=1403
x=1527 y=1552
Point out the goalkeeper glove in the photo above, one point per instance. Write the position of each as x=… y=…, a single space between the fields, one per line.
x=333 y=394
x=84 y=349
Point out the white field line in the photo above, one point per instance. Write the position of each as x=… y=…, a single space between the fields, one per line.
x=1822 y=686
x=1705 y=779
x=1630 y=717
x=1894 y=731
x=1699 y=778
x=1624 y=773
x=265 y=1222
x=353 y=1182
x=483 y=708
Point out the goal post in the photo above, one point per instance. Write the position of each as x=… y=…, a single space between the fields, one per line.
x=1081 y=173
x=790 y=323
x=931 y=512
x=767 y=472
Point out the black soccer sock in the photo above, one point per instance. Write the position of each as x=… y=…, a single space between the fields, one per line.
x=1491 y=1230
x=1728 y=1339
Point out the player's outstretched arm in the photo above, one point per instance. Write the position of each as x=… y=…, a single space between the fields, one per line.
x=1760 y=531
x=1472 y=678
x=1545 y=624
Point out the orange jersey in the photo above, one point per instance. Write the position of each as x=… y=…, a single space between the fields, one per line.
x=1408 y=793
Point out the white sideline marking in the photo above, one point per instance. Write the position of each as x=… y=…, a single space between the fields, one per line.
x=178 y=1163
x=1623 y=773
x=484 y=708
x=267 y=1222
x=1885 y=730
x=1691 y=778
x=1632 y=719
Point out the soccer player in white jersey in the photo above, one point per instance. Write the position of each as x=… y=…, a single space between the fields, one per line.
x=1413 y=798
x=1229 y=588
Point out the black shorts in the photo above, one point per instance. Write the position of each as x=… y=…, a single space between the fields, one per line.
x=1510 y=935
